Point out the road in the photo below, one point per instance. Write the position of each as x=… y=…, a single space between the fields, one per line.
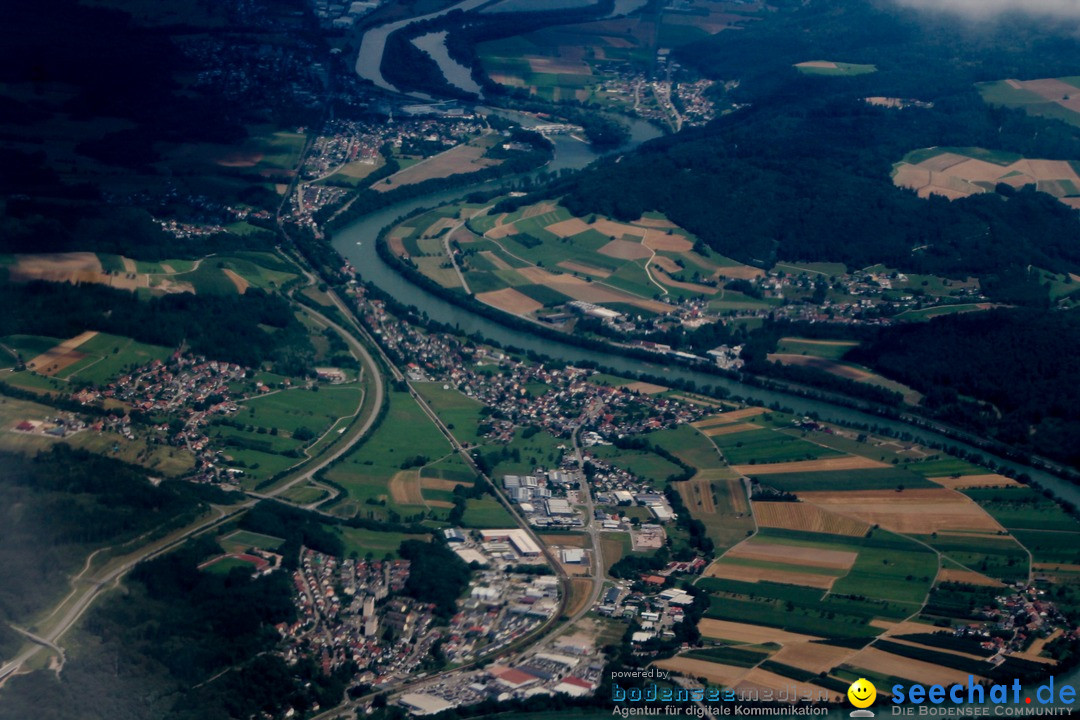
x=82 y=602
x=77 y=603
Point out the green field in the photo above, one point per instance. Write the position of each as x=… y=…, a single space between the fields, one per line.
x=872 y=479
x=242 y=540
x=366 y=471
x=890 y=578
x=647 y=465
x=227 y=564
x=761 y=447
x=110 y=356
x=1022 y=508
x=486 y=513
x=1001 y=558
x=828 y=349
x=689 y=445
x=359 y=543
x=841 y=69
x=462 y=415
x=1002 y=93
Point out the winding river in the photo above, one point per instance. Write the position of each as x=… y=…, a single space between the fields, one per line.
x=357 y=243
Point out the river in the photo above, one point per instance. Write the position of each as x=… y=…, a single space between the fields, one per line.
x=357 y=244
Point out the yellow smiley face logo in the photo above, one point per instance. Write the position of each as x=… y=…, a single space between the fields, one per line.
x=862 y=693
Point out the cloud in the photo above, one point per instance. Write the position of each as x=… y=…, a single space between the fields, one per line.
x=1065 y=9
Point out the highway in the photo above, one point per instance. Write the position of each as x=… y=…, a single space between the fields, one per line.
x=75 y=605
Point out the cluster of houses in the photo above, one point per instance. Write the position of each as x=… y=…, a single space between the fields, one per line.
x=568 y=398
x=351 y=611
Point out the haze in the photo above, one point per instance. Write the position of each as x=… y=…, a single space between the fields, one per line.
x=990 y=8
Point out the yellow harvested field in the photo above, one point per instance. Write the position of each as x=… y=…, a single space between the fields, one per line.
x=751 y=634
x=580 y=589
x=746 y=573
x=645 y=388
x=661 y=241
x=918 y=511
x=557 y=66
x=578 y=540
x=740 y=502
x=954 y=175
x=813 y=657
x=77 y=267
x=495 y=260
x=740 y=272
x=697 y=494
x=61 y=355
x=730 y=429
x=566 y=228
x=966 y=576
x=1040 y=643
x=666 y=279
x=822 y=343
x=240 y=283
x=662 y=223
x=510 y=300
x=841 y=369
x=965 y=482
x=793 y=555
x=405 y=488
x=716 y=673
x=824 y=64
x=440 y=484
x=730 y=417
x=625 y=250
x=806 y=517
x=465 y=158
x=582 y=268
x=848 y=462
x=887 y=664
x=617 y=229
x=665 y=263
x=594 y=292
x=904 y=627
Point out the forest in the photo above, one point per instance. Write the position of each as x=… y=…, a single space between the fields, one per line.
x=58 y=507
x=803 y=170
x=1011 y=374
x=219 y=327
x=180 y=644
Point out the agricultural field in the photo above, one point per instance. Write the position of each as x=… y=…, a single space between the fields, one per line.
x=851 y=371
x=828 y=349
x=865 y=543
x=486 y=513
x=462 y=415
x=213 y=275
x=89 y=357
x=830 y=68
x=541 y=257
x=960 y=172
x=466 y=158
x=163 y=460
x=360 y=543
x=1057 y=98
x=366 y=473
